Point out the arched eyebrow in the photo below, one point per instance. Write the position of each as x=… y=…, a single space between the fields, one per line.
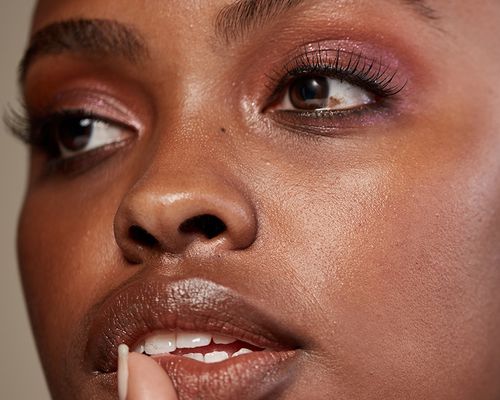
x=236 y=20
x=88 y=36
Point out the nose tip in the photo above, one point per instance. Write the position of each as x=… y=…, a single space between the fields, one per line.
x=175 y=222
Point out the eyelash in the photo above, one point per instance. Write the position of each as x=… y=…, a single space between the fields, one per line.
x=19 y=124
x=359 y=70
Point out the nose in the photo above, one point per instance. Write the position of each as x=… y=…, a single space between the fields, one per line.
x=195 y=213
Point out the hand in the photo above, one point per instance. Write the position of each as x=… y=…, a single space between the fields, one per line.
x=141 y=378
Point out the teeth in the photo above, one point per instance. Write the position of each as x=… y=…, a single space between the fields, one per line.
x=195 y=356
x=216 y=356
x=139 y=348
x=160 y=343
x=219 y=339
x=188 y=340
x=242 y=352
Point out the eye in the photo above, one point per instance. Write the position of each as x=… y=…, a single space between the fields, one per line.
x=321 y=93
x=74 y=133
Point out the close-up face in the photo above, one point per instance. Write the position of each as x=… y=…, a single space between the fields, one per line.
x=274 y=199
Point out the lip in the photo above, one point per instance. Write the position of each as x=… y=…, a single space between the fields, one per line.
x=195 y=305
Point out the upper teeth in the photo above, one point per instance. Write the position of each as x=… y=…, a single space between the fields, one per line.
x=163 y=342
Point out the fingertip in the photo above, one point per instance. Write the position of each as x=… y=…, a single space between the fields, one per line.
x=148 y=380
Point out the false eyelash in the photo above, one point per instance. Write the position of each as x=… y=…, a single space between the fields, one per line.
x=19 y=123
x=28 y=129
x=359 y=70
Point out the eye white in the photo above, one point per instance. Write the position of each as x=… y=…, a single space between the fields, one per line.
x=342 y=95
x=102 y=134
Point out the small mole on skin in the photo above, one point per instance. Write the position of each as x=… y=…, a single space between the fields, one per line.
x=223 y=130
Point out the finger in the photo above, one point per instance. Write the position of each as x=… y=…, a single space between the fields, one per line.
x=146 y=380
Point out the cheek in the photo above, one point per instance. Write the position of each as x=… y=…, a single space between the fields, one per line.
x=68 y=261
x=419 y=301
x=401 y=264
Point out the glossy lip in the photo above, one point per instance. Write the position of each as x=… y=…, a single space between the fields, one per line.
x=194 y=305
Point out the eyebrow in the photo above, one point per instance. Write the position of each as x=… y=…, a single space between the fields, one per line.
x=108 y=37
x=236 y=20
x=92 y=36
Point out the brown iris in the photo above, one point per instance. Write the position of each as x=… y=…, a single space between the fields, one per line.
x=72 y=132
x=309 y=92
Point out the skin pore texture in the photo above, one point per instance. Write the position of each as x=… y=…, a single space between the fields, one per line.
x=358 y=247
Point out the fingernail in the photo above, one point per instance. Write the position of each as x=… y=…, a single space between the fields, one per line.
x=123 y=351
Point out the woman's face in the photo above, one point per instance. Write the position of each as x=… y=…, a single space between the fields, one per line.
x=319 y=179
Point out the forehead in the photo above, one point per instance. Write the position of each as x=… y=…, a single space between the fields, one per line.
x=49 y=10
x=125 y=7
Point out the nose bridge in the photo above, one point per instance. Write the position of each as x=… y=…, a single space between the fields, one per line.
x=184 y=200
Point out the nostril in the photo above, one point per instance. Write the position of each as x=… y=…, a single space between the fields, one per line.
x=142 y=237
x=207 y=225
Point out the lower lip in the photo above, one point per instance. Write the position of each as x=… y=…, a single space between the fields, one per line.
x=250 y=376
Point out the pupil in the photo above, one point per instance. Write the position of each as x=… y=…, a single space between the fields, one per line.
x=74 y=133
x=310 y=93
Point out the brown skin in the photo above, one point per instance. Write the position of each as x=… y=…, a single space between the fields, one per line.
x=376 y=244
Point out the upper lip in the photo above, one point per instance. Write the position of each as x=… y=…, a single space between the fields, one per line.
x=187 y=304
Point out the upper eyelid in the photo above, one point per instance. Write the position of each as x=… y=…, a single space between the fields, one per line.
x=354 y=57
x=84 y=114
x=345 y=62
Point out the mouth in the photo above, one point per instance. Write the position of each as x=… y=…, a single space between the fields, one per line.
x=211 y=342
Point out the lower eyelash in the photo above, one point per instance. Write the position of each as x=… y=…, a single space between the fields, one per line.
x=350 y=66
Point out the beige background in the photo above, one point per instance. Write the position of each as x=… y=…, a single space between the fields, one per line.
x=20 y=373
